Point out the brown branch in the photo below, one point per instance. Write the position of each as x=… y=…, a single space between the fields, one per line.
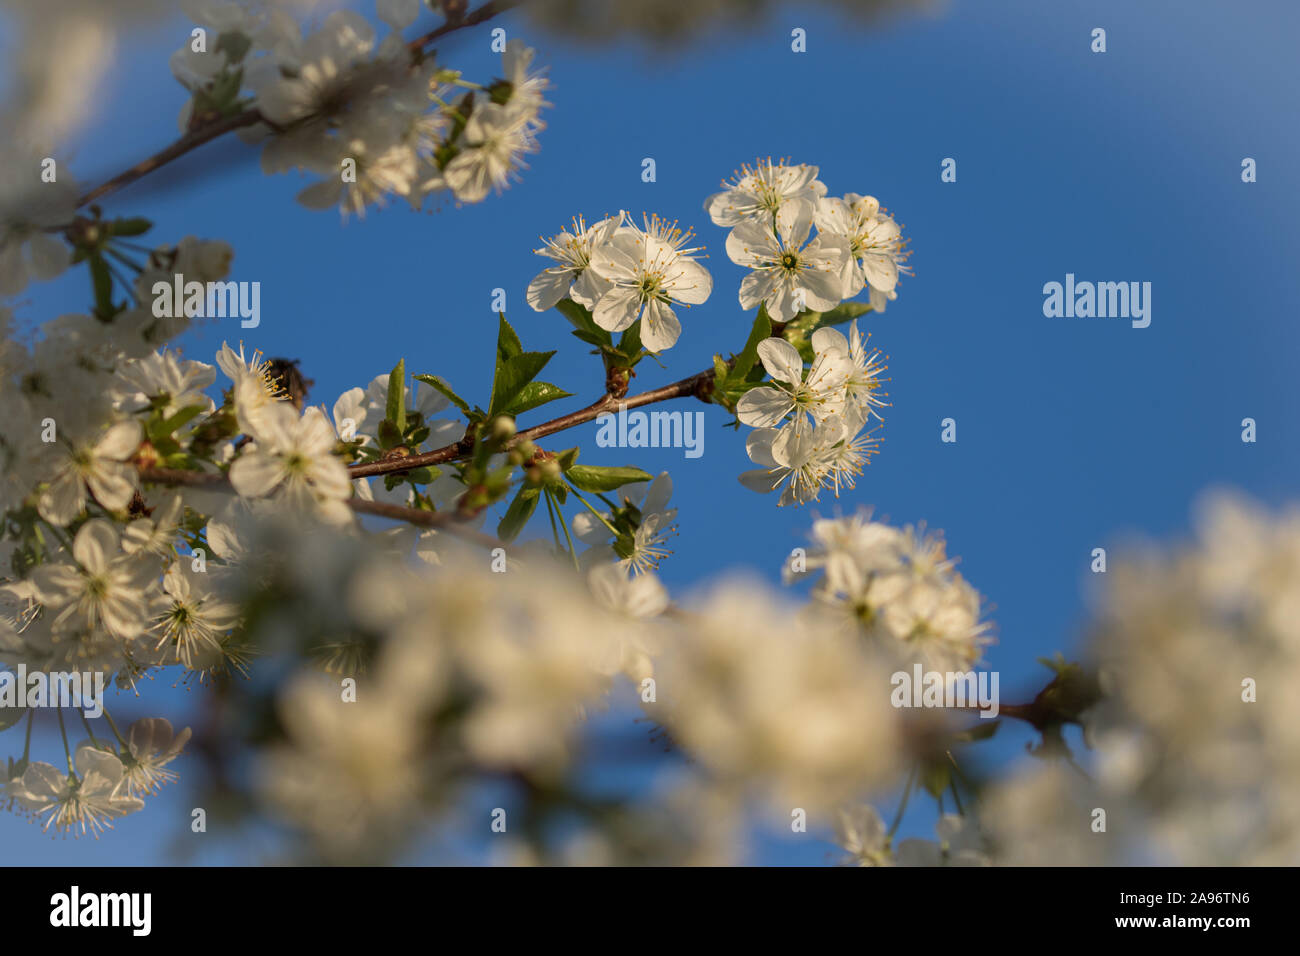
x=486 y=12
x=388 y=466
x=189 y=479
x=187 y=143
x=700 y=385
x=439 y=520
x=436 y=520
x=250 y=117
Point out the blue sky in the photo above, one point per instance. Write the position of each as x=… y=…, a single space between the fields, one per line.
x=1072 y=433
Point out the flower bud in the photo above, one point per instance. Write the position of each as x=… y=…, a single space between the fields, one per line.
x=503 y=428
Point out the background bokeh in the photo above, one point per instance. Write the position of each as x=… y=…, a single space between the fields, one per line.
x=1072 y=433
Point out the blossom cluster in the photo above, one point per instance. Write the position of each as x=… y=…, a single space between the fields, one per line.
x=894 y=587
x=812 y=418
x=1196 y=759
x=463 y=673
x=771 y=209
x=810 y=423
x=105 y=781
x=376 y=118
x=623 y=273
x=155 y=522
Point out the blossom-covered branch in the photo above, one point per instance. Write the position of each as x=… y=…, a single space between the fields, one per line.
x=217 y=84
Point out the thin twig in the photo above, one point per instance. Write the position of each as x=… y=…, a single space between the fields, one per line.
x=190 y=479
x=251 y=117
x=186 y=144
x=439 y=520
x=486 y=12
x=698 y=385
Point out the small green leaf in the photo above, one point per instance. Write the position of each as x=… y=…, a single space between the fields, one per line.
x=515 y=368
x=508 y=344
x=517 y=515
x=389 y=436
x=802 y=346
x=749 y=354
x=512 y=375
x=396 y=408
x=532 y=395
x=439 y=385
x=585 y=326
x=136 y=226
x=625 y=545
x=981 y=731
x=102 y=280
x=593 y=339
x=422 y=476
x=935 y=777
x=601 y=478
x=630 y=343
x=844 y=312
x=235 y=44
x=566 y=458
x=169 y=425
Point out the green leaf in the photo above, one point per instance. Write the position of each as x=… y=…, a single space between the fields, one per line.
x=630 y=343
x=749 y=354
x=801 y=345
x=844 y=312
x=234 y=44
x=532 y=395
x=625 y=545
x=512 y=375
x=601 y=478
x=102 y=280
x=389 y=436
x=136 y=226
x=566 y=458
x=508 y=344
x=593 y=339
x=517 y=515
x=396 y=409
x=935 y=777
x=438 y=385
x=422 y=476
x=981 y=731
x=585 y=326
x=168 y=425
x=515 y=368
